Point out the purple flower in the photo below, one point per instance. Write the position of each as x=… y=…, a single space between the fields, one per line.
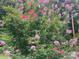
x=69 y=6
x=44 y=1
x=68 y=31
x=33 y=47
x=20 y=1
x=77 y=55
x=2 y=43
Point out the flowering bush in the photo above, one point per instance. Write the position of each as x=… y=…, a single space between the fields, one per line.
x=43 y=27
x=34 y=23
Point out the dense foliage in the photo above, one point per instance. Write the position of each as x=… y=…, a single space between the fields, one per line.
x=39 y=29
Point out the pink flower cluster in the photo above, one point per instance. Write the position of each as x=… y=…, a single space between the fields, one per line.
x=30 y=13
x=22 y=16
x=59 y=50
x=69 y=6
x=44 y=1
x=68 y=31
x=2 y=43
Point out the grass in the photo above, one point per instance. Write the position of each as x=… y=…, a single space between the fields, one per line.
x=3 y=57
x=5 y=37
